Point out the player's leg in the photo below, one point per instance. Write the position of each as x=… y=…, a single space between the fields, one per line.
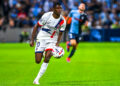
x=68 y=43
x=38 y=57
x=43 y=68
x=73 y=43
x=41 y=72
x=74 y=46
x=48 y=55
x=39 y=48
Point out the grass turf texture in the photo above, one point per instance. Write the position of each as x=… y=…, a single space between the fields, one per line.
x=94 y=64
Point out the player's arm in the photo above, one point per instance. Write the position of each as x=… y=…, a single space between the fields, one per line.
x=40 y=23
x=33 y=34
x=59 y=38
x=67 y=19
x=69 y=16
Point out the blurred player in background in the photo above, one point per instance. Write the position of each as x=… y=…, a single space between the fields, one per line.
x=79 y=18
x=52 y=25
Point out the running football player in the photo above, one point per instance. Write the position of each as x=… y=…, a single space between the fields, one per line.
x=79 y=17
x=51 y=26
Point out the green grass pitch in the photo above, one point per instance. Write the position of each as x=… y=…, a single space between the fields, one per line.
x=94 y=64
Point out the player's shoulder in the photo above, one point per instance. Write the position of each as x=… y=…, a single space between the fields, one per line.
x=63 y=19
x=85 y=14
x=74 y=11
x=47 y=14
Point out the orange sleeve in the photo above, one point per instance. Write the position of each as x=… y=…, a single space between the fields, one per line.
x=69 y=21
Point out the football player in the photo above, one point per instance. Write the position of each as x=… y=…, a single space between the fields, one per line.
x=79 y=17
x=52 y=24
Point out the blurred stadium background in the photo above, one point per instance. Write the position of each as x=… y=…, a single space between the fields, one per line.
x=17 y=18
x=94 y=64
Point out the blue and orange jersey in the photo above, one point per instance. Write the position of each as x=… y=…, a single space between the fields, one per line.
x=78 y=19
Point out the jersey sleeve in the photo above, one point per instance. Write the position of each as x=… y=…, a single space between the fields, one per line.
x=62 y=29
x=43 y=20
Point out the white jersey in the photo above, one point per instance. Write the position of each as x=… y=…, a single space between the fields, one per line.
x=50 y=26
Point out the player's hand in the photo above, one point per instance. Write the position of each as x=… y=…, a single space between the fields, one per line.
x=31 y=43
x=57 y=44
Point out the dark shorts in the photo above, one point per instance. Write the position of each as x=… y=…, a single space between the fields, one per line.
x=77 y=37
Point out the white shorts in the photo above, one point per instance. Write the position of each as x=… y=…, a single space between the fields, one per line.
x=44 y=44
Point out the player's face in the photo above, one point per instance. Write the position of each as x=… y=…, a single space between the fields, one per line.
x=82 y=7
x=58 y=10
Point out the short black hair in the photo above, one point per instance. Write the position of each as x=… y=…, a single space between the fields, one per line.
x=55 y=4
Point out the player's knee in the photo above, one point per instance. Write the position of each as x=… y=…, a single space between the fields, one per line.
x=47 y=60
x=38 y=61
x=74 y=44
x=48 y=56
x=38 y=58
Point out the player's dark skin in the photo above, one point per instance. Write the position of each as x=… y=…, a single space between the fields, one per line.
x=38 y=56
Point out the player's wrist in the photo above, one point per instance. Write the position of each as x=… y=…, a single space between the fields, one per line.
x=32 y=40
x=57 y=44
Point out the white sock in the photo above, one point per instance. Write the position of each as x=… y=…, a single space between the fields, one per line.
x=42 y=70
